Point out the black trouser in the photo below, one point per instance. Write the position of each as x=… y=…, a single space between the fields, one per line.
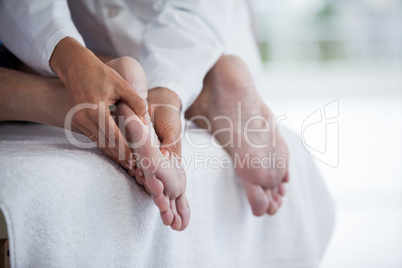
x=7 y=59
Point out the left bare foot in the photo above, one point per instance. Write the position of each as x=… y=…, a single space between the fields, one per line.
x=243 y=125
x=163 y=176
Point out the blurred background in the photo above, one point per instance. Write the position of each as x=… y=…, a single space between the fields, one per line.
x=345 y=55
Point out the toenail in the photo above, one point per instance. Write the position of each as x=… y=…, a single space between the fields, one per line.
x=127 y=166
x=140 y=173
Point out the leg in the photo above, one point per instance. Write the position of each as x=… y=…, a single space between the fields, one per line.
x=230 y=102
x=35 y=98
x=164 y=177
x=28 y=97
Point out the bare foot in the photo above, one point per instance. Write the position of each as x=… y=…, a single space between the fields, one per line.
x=162 y=175
x=243 y=124
x=164 y=108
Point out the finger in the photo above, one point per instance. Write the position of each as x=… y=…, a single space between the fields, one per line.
x=131 y=169
x=115 y=142
x=91 y=129
x=87 y=133
x=103 y=144
x=95 y=139
x=136 y=103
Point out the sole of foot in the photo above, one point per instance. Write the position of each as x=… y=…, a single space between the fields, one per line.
x=163 y=176
x=238 y=118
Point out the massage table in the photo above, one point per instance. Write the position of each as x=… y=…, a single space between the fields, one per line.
x=71 y=207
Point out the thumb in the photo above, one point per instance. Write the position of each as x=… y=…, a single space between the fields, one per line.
x=136 y=103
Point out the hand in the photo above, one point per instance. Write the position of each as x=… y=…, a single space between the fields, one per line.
x=164 y=108
x=89 y=81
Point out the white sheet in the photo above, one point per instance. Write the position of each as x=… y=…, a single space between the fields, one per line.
x=71 y=207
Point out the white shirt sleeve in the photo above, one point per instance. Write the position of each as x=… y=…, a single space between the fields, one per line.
x=179 y=47
x=31 y=29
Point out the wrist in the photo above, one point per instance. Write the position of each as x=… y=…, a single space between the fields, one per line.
x=65 y=54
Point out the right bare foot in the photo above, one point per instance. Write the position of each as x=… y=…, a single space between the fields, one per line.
x=162 y=175
x=229 y=105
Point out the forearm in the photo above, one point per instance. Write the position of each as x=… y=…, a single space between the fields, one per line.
x=25 y=97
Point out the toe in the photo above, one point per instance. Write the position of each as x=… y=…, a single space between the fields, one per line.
x=132 y=172
x=286 y=179
x=257 y=198
x=162 y=202
x=277 y=197
x=273 y=207
x=183 y=209
x=167 y=217
x=155 y=185
x=281 y=189
x=177 y=222
x=138 y=177
x=279 y=202
x=147 y=190
x=275 y=194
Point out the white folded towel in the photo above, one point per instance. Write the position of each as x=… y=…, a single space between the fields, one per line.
x=72 y=207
